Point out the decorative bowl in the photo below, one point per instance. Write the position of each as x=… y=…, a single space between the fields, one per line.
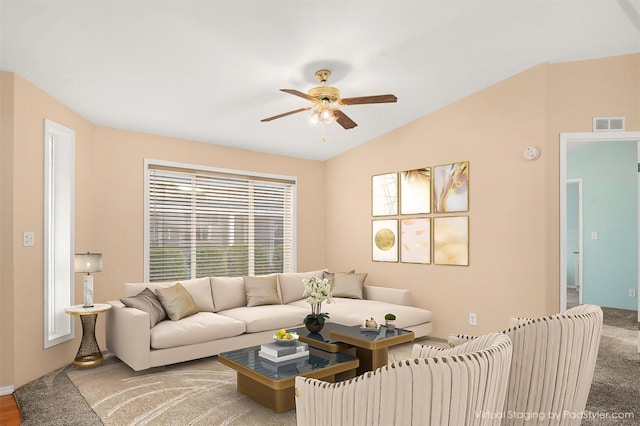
x=287 y=342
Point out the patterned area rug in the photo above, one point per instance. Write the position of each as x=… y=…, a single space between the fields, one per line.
x=201 y=392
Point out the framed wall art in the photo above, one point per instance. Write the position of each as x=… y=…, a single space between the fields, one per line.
x=451 y=240
x=384 y=235
x=415 y=240
x=451 y=187
x=384 y=194
x=415 y=191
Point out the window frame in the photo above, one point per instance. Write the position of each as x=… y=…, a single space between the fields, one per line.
x=154 y=163
x=58 y=236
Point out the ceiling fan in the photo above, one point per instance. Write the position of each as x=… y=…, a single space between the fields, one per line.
x=326 y=98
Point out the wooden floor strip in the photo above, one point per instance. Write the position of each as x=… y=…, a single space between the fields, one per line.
x=9 y=411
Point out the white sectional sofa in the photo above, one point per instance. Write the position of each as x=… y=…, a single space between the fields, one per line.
x=227 y=317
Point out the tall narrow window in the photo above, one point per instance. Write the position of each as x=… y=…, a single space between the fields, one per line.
x=212 y=222
x=59 y=189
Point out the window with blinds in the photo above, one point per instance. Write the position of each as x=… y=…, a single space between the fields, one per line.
x=203 y=223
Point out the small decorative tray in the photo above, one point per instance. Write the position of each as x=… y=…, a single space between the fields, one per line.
x=370 y=329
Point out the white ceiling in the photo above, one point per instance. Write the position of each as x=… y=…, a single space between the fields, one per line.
x=210 y=70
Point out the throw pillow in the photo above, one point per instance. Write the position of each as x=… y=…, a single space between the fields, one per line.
x=177 y=301
x=329 y=275
x=261 y=290
x=148 y=302
x=200 y=290
x=348 y=285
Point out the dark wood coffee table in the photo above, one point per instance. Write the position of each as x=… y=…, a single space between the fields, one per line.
x=371 y=348
x=272 y=384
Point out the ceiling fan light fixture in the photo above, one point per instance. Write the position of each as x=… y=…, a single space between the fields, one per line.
x=322 y=114
x=326 y=116
x=326 y=100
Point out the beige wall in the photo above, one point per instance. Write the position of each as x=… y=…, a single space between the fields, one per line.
x=513 y=205
x=6 y=221
x=31 y=106
x=109 y=215
x=514 y=237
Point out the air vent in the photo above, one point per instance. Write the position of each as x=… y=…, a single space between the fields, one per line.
x=608 y=124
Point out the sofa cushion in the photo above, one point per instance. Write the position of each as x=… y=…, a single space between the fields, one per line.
x=268 y=317
x=348 y=285
x=177 y=301
x=228 y=293
x=197 y=328
x=291 y=286
x=261 y=290
x=148 y=302
x=353 y=312
x=199 y=288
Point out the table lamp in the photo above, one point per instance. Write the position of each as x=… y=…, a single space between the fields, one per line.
x=88 y=262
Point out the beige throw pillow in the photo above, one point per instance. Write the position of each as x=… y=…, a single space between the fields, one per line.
x=177 y=301
x=348 y=285
x=261 y=290
x=329 y=275
x=148 y=302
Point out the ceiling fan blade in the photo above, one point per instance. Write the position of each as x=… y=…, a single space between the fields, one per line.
x=377 y=99
x=299 y=93
x=284 y=114
x=343 y=120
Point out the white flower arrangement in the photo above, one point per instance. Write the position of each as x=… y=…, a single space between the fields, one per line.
x=316 y=290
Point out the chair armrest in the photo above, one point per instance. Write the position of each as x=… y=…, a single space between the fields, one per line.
x=397 y=296
x=458 y=339
x=128 y=335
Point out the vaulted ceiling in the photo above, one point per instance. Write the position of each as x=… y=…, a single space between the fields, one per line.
x=209 y=71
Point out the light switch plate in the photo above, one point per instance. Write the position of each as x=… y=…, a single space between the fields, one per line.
x=28 y=239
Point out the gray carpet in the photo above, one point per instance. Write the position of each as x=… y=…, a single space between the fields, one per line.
x=615 y=388
x=54 y=400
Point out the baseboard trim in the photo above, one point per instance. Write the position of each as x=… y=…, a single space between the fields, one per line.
x=6 y=390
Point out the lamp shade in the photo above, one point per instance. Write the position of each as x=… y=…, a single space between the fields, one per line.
x=88 y=262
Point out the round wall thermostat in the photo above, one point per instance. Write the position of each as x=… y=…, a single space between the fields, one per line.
x=531 y=153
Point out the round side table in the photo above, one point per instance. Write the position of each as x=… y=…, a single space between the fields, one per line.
x=89 y=353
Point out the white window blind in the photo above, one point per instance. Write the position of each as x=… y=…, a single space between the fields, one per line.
x=204 y=223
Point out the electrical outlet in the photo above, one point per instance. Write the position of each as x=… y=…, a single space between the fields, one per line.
x=28 y=239
x=594 y=235
x=632 y=292
x=473 y=319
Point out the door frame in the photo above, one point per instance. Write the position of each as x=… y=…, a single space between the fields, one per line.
x=565 y=139
x=580 y=269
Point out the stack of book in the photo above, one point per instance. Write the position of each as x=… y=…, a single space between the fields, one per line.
x=277 y=353
x=284 y=367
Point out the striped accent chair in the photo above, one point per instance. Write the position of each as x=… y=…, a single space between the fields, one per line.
x=552 y=367
x=459 y=386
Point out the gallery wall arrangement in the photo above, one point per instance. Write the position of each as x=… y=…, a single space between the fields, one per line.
x=414 y=215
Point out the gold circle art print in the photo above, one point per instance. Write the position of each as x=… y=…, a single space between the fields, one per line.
x=385 y=239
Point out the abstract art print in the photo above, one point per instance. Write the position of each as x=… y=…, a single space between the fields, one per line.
x=415 y=191
x=384 y=194
x=415 y=241
x=451 y=240
x=385 y=240
x=451 y=187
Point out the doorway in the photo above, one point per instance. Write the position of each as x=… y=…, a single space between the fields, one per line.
x=567 y=140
